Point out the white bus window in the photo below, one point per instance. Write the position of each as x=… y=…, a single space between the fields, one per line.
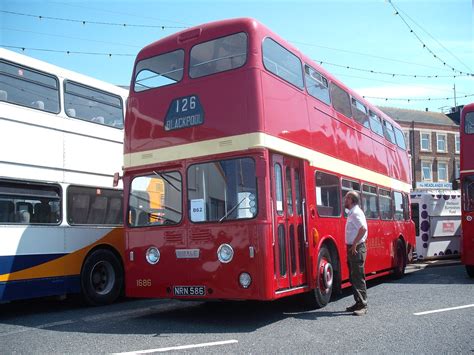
x=398 y=206
x=385 y=204
x=94 y=206
x=93 y=105
x=27 y=87
x=29 y=203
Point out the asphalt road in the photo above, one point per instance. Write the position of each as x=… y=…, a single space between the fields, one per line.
x=391 y=326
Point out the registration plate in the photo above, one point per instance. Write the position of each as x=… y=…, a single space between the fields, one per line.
x=189 y=290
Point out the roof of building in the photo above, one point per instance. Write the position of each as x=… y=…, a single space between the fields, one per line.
x=402 y=115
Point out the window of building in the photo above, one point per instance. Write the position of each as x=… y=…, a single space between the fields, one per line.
x=341 y=100
x=281 y=62
x=218 y=55
x=29 y=203
x=328 y=195
x=469 y=123
x=369 y=201
x=426 y=173
x=442 y=171
x=359 y=112
x=457 y=170
x=90 y=104
x=441 y=142
x=398 y=206
x=28 y=87
x=376 y=123
x=96 y=206
x=161 y=70
x=457 y=143
x=385 y=204
x=389 y=132
x=317 y=85
x=425 y=139
x=155 y=200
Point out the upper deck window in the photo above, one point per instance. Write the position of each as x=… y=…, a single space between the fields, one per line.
x=341 y=100
x=469 y=123
x=90 y=104
x=218 y=55
x=375 y=123
x=400 y=139
x=27 y=87
x=161 y=70
x=359 y=111
x=281 y=62
x=389 y=132
x=317 y=85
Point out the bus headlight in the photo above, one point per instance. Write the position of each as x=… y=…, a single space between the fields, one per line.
x=225 y=253
x=152 y=255
x=245 y=280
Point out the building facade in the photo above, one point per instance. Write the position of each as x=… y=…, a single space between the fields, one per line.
x=434 y=145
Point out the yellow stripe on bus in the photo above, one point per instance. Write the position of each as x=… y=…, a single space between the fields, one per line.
x=69 y=264
x=260 y=140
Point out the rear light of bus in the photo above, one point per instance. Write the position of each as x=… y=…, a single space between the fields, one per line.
x=152 y=255
x=245 y=280
x=225 y=253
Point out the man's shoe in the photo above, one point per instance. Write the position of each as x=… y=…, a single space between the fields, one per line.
x=354 y=307
x=361 y=311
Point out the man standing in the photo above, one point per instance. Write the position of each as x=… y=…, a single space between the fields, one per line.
x=356 y=235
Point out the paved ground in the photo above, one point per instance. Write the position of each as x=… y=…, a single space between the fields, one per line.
x=391 y=326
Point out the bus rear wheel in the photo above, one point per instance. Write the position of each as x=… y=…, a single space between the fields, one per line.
x=470 y=271
x=400 y=260
x=101 y=278
x=320 y=296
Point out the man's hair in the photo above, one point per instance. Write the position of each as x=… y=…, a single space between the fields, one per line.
x=354 y=196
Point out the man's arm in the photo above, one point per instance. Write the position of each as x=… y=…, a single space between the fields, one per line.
x=358 y=238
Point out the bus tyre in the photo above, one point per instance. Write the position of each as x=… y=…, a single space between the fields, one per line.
x=470 y=271
x=320 y=296
x=400 y=261
x=101 y=278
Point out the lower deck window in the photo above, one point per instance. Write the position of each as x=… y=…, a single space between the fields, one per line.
x=222 y=190
x=29 y=203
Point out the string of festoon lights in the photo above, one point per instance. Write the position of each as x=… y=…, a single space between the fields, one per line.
x=417 y=98
x=437 y=57
x=89 y=22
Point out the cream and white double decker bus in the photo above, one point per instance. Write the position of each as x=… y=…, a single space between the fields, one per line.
x=61 y=141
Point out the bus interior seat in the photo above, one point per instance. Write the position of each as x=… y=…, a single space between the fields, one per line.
x=71 y=112
x=3 y=95
x=97 y=210
x=98 y=119
x=24 y=206
x=80 y=208
x=38 y=104
x=143 y=219
x=114 y=214
x=23 y=217
x=42 y=213
x=6 y=211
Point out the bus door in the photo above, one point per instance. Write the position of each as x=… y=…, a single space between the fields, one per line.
x=467 y=252
x=289 y=246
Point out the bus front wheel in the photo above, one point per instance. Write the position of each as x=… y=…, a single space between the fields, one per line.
x=470 y=271
x=101 y=278
x=320 y=296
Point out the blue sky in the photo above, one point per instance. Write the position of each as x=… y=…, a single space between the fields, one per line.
x=360 y=34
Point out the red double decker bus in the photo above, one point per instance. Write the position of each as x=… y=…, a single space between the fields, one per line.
x=467 y=187
x=238 y=152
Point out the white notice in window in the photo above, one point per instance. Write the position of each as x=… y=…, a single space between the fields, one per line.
x=198 y=210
